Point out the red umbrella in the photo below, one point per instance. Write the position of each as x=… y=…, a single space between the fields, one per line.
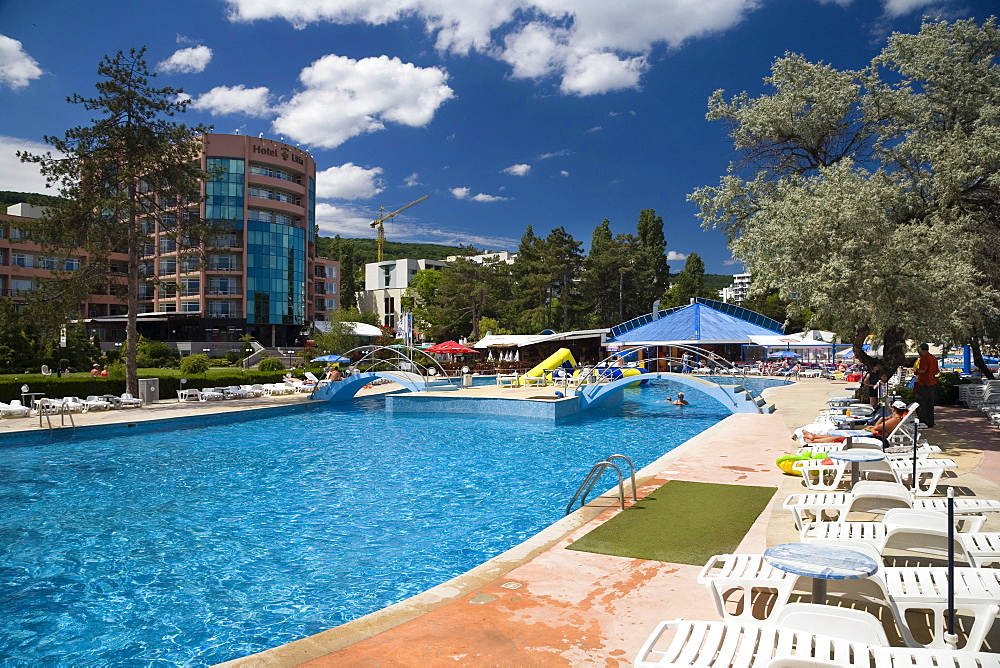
x=450 y=348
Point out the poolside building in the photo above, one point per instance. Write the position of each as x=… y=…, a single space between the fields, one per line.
x=257 y=274
x=724 y=329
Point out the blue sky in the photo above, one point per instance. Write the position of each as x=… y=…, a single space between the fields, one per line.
x=505 y=112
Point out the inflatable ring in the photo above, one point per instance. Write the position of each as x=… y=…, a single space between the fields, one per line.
x=786 y=462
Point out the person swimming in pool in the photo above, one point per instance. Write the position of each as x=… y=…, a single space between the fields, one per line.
x=680 y=400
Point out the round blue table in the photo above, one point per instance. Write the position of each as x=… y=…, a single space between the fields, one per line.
x=821 y=563
x=856 y=456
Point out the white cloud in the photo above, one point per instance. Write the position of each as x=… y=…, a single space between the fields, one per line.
x=464 y=193
x=563 y=172
x=602 y=72
x=412 y=180
x=517 y=170
x=897 y=8
x=353 y=222
x=556 y=154
x=349 y=181
x=17 y=68
x=223 y=100
x=674 y=255
x=592 y=46
x=19 y=176
x=186 y=61
x=596 y=128
x=344 y=98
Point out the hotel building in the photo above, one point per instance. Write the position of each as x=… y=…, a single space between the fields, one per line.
x=257 y=273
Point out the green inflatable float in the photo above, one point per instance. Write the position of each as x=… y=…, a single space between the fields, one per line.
x=785 y=462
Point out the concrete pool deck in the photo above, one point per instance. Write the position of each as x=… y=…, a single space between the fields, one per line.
x=542 y=605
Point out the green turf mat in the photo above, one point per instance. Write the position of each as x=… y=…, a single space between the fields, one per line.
x=681 y=522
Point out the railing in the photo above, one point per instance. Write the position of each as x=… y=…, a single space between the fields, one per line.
x=403 y=359
x=596 y=471
x=219 y=267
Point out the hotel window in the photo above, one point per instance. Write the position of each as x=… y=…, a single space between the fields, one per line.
x=168 y=222
x=222 y=309
x=319 y=305
x=222 y=286
x=145 y=269
x=145 y=291
x=190 y=307
x=190 y=287
x=223 y=241
x=262 y=170
x=16 y=234
x=148 y=248
x=331 y=288
x=168 y=265
x=167 y=245
x=72 y=264
x=21 y=286
x=270 y=217
x=22 y=260
x=190 y=263
x=331 y=304
x=390 y=305
x=168 y=290
x=49 y=263
x=387 y=275
x=168 y=307
x=222 y=262
x=148 y=226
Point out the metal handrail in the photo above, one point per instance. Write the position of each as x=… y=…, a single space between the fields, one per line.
x=395 y=362
x=631 y=472
x=591 y=480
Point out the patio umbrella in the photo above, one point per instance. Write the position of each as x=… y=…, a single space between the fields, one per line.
x=784 y=353
x=331 y=358
x=450 y=348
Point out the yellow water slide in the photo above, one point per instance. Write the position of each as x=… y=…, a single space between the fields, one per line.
x=553 y=361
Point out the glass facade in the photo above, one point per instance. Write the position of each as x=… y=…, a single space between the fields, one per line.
x=224 y=191
x=276 y=274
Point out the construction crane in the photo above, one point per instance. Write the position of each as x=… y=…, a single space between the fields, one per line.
x=377 y=224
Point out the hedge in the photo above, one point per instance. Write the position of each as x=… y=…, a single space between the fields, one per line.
x=82 y=387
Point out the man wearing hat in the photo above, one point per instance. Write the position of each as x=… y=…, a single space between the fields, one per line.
x=926 y=371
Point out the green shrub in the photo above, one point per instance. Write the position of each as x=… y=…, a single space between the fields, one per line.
x=116 y=370
x=270 y=364
x=232 y=356
x=195 y=364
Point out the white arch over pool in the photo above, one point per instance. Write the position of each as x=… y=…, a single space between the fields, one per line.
x=734 y=397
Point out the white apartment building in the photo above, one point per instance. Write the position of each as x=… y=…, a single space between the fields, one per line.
x=738 y=291
x=486 y=256
x=385 y=283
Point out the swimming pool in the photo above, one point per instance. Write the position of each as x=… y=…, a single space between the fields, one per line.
x=200 y=545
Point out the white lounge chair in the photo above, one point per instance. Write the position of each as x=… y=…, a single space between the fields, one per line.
x=74 y=404
x=253 y=390
x=850 y=638
x=918 y=531
x=826 y=477
x=128 y=401
x=189 y=395
x=14 y=409
x=212 y=394
x=874 y=497
x=901 y=589
x=95 y=403
x=234 y=392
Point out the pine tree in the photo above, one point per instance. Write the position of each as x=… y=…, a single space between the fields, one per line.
x=131 y=165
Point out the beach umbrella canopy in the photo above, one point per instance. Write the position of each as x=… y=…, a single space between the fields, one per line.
x=784 y=353
x=331 y=358
x=450 y=348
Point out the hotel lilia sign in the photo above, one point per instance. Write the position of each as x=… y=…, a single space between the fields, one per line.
x=283 y=153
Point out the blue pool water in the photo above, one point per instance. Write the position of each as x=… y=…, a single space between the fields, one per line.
x=194 y=546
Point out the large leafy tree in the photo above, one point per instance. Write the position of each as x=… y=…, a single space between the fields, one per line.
x=866 y=195
x=131 y=165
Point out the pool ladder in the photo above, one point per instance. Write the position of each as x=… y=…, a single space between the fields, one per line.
x=596 y=471
x=46 y=410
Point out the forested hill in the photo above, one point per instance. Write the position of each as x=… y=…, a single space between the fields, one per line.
x=366 y=250
x=8 y=197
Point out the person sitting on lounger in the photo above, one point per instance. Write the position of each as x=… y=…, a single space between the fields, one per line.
x=882 y=428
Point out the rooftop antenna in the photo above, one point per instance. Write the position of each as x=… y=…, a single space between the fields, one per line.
x=260 y=136
x=237 y=130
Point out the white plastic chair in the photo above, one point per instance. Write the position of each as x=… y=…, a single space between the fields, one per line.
x=821 y=477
